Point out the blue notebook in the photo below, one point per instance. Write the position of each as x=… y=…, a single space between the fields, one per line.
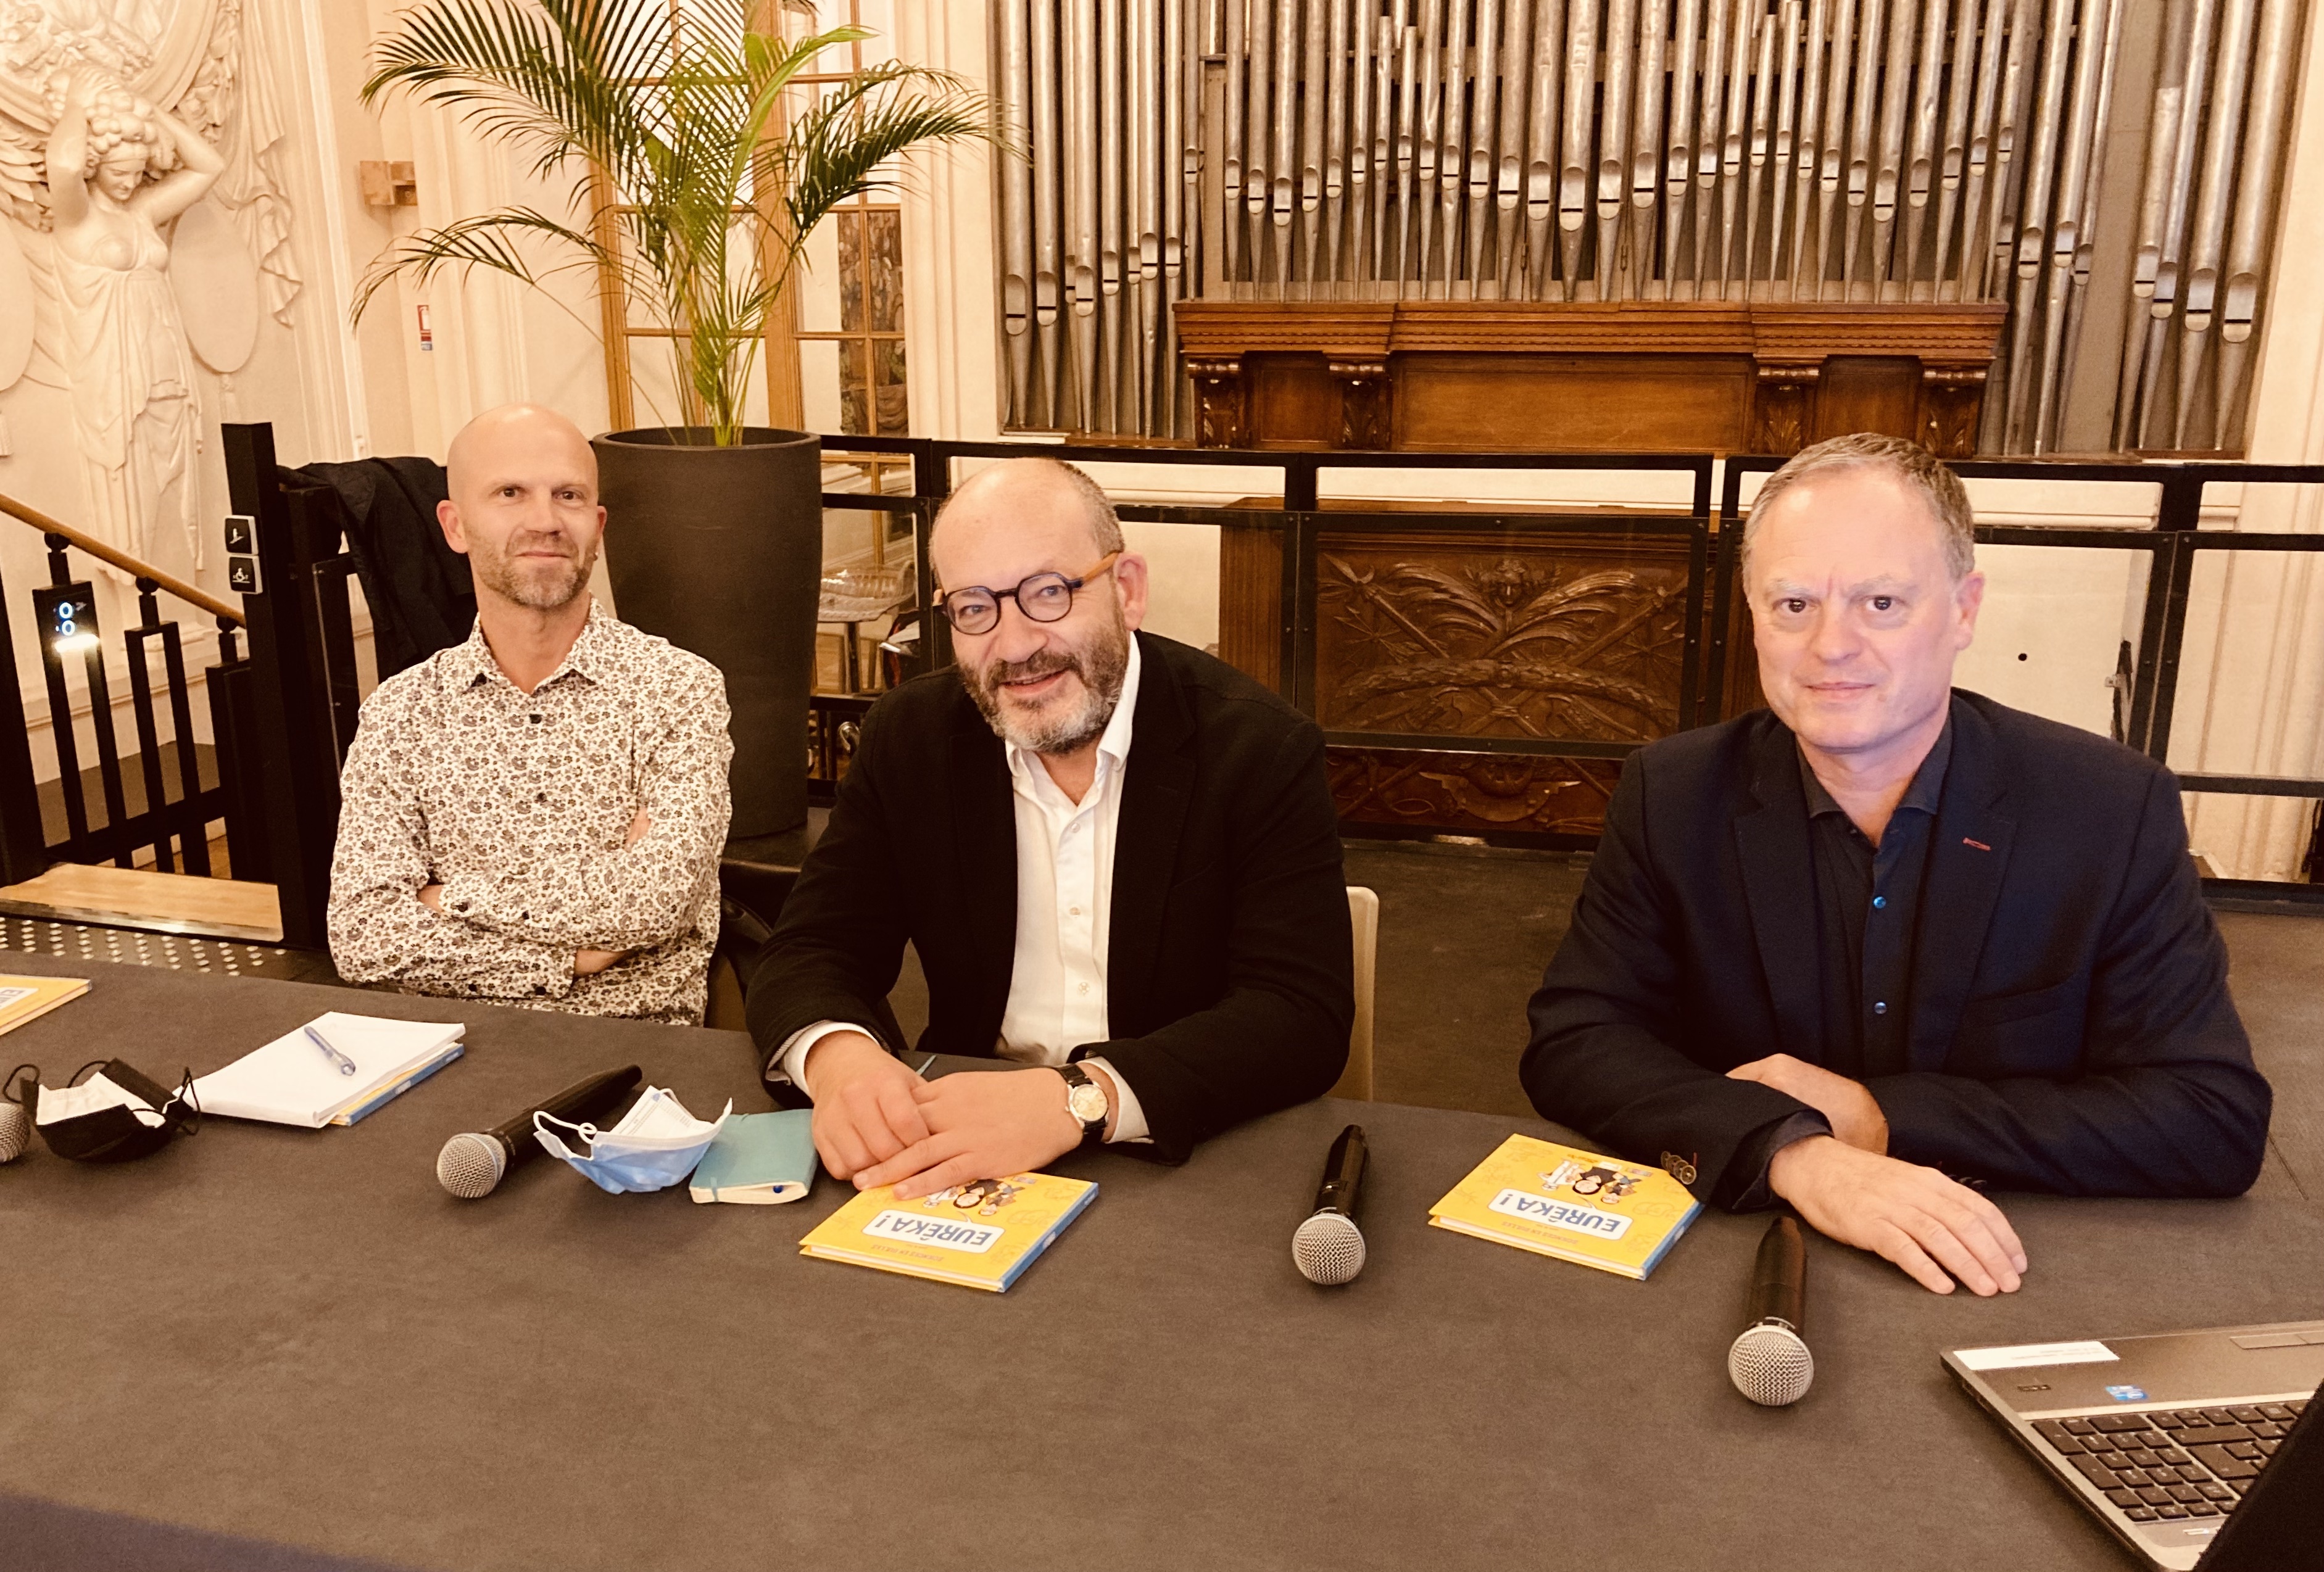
x=758 y=1160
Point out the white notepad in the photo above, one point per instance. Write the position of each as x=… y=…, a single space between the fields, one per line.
x=291 y=1081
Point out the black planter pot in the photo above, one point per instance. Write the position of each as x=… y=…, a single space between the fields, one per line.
x=720 y=551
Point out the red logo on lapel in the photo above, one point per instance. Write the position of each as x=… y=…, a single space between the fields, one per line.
x=1980 y=845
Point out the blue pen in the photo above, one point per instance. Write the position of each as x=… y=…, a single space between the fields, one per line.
x=347 y=1065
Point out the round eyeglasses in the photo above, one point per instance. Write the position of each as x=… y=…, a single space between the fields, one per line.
x=1046 y=597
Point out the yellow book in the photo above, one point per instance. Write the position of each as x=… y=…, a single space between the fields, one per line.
x=23 y=997
x=980 y=1236
x=1555 y=1200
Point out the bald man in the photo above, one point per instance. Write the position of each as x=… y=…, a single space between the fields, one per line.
x=1117 y=858
x=534 y=816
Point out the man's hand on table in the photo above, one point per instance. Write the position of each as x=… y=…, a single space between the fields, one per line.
x=1913 y=1215
x=987 y=1125
x=864 y=1110
x=1854 y=1114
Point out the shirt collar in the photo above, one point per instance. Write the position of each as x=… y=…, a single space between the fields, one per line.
x=1920 y=796
x=470 y=662
x=1112 y=743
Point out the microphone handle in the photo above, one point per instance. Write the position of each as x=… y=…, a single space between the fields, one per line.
x=1343 y=1173
x=1779 y=1277
x=583 y=1102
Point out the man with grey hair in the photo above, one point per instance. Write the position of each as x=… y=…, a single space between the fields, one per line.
x=1117 y=858
x=1886 y=943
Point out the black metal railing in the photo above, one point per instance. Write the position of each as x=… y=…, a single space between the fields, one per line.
x=1709 y=690
x=173 y=831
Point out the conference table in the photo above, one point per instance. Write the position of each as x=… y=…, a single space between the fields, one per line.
x=266 y=1347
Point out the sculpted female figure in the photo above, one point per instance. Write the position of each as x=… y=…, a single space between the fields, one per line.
x=133 y=377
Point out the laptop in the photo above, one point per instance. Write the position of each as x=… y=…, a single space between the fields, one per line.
x=2164 y=1437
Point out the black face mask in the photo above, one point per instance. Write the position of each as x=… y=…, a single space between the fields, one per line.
x=115 y=1115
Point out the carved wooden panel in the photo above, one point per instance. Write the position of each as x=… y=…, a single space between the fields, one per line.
x=1474 y=794
x=1251 y=600
x=1489 y=635
x=1953 y=398
x=1364 y=403
x=1867 y=392
x=1218 y=403
x=1785 y=412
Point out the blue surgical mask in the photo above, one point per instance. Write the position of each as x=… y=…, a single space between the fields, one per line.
x=656 y=1144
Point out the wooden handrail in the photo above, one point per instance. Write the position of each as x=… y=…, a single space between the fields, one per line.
x=121 y=559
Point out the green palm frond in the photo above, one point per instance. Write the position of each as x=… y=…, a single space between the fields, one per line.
x=681 y=112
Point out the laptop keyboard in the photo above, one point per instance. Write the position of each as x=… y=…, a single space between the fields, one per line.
x=2173 y=1463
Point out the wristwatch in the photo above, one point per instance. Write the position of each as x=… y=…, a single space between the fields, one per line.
x=1085 y=1100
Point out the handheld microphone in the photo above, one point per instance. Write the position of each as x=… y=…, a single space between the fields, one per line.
x=16 y=1131
x=472 y=1165
x=1329 y=1249
x=1768 y=1363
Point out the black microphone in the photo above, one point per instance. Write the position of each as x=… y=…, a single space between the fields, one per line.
x=1769 y=1363
x=1329 y=1249
x=472 y=1165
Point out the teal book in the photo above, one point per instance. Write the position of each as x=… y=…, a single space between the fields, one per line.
x=758 y=1160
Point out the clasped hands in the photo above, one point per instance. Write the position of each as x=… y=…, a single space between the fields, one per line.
x=878 y=1123
x=1847 y=1187
x=585 y=962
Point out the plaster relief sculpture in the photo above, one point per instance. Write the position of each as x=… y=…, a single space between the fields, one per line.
x=132 y=374
x=116 y=118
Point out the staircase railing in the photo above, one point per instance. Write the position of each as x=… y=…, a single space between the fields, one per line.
x=176 y=830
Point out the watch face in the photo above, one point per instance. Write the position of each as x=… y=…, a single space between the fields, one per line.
x=1087 y=1103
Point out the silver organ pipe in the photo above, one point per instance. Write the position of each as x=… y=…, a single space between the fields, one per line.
x=2207 y=236
x=1483 y=123
x=2030 y=242
x=1833 y=142
x=1812 y=72
x=2172 y=258
x=2277 y=57
x=1678 y=161
x=1013 y=51
x=1741 y=35
x=1646 y=147
x=1553 y=150
x=1574 y=159
x=1919 y=173
x=1509 y=145
x=1541 y=146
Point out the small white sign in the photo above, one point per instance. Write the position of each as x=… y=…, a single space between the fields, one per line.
x=933 y=1229
x=1558 y=1214
x=2029 y=1356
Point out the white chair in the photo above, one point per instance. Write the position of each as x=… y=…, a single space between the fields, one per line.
x=1363 y=916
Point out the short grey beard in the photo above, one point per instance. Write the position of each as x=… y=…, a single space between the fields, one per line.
x=494 y=571
x=1101 y=673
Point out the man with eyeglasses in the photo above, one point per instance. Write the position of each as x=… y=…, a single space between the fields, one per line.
x=1117 y=858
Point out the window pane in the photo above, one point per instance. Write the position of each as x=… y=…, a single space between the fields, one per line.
x=850 y=225
x=854 y=394
x=893 y=398
x=886 y=268
x=819 y=383
x=817 y=280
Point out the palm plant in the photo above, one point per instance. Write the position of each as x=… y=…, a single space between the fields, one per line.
x=714 y=187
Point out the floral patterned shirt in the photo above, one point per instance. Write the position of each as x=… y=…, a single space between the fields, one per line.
x=518 y=804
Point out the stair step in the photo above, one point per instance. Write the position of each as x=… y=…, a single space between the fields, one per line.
x=137 y=897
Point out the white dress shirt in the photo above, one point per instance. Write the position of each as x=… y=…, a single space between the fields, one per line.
x=1065 y=901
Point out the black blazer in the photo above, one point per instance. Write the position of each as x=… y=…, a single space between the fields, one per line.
x=1228 y=965
x=2070 y=1027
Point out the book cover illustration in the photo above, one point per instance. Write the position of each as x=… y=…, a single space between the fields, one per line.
x=982 y=1235
x=1576 y=1205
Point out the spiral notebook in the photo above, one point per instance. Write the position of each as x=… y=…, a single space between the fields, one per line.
x=291 y=1081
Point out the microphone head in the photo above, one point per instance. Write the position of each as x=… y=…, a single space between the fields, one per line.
x=1770 y=1364
x=1328 y=1249
x=470 y=1165
x=16 y=1131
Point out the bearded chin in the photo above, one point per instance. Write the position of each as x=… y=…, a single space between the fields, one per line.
x=1101 y=669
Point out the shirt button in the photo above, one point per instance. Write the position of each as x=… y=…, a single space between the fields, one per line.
x=1084 y=987
x=1879 y=1006
x=1879 y=901
x=1074 y=911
